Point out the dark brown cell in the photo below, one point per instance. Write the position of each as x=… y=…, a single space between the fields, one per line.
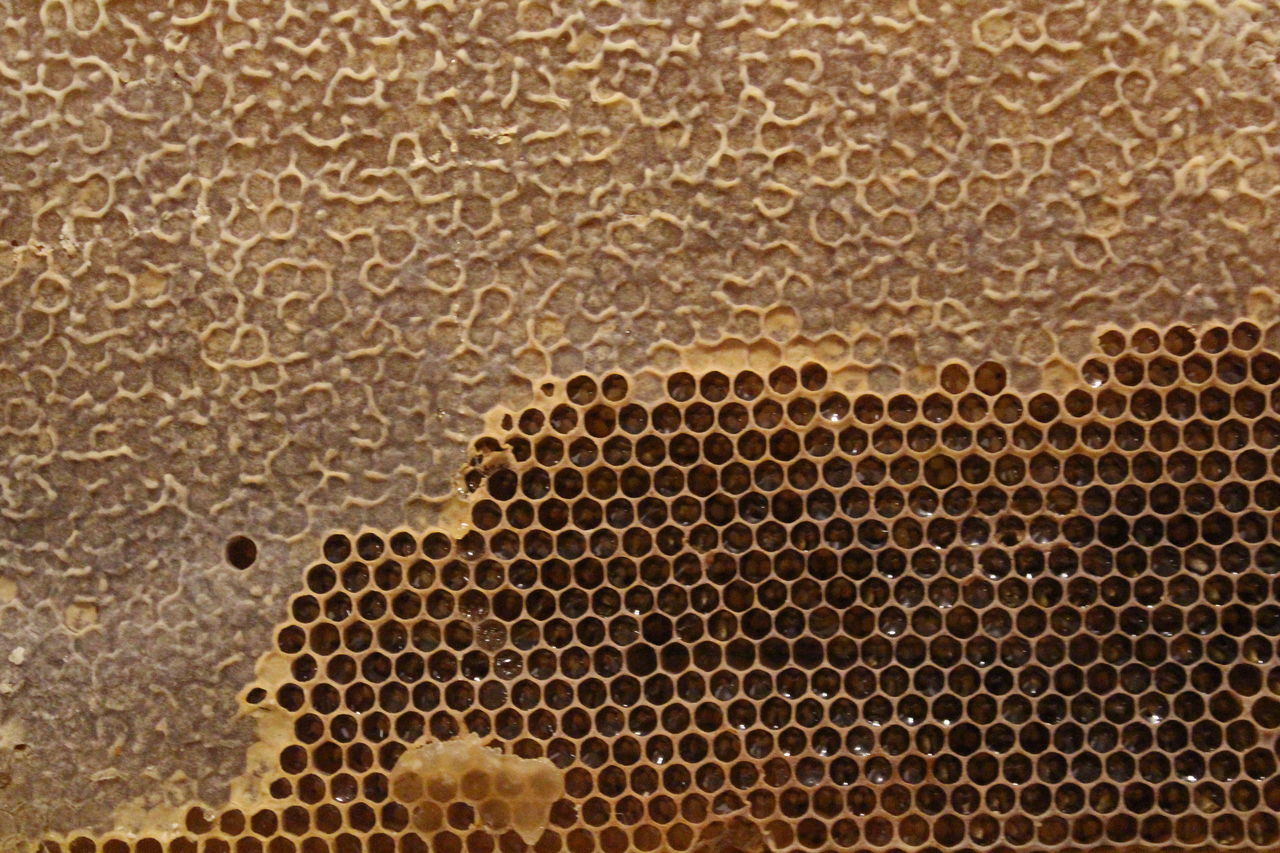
x=241 y=552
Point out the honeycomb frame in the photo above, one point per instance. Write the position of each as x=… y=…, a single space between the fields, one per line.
x=264 y=267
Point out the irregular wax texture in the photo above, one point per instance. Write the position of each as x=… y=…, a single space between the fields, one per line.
x=504 y=791
x=736 y=835
x=263 y=265
x=758 y=610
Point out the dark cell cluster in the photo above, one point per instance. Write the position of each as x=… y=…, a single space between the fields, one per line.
x=962 y=619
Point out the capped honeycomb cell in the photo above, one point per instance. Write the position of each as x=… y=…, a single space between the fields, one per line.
x=503 y=792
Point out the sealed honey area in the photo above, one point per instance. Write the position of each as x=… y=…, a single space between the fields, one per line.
x=762 y=613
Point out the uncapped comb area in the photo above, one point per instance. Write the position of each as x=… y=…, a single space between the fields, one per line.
x=761 y=614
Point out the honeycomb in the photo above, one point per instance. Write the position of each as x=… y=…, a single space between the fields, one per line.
x=760 y=613
x=266 y=266
x=502 y=792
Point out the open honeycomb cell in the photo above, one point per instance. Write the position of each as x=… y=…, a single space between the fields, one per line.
x=759 y=613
